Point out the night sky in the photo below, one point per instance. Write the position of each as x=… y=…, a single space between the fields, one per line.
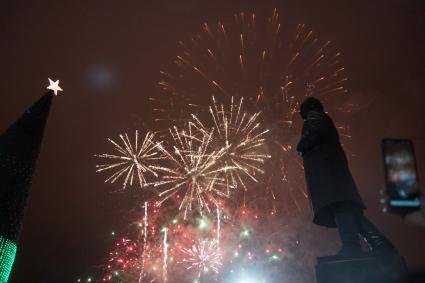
x=107 y=55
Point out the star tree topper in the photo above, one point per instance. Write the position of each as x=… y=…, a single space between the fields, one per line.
x=54 y=86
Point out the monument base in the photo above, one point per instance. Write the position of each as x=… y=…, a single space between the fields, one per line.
x=371 y=269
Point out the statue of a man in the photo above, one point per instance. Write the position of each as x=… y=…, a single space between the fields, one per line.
x=333 y=192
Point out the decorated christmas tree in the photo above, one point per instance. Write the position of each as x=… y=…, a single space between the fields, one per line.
x=19 y=148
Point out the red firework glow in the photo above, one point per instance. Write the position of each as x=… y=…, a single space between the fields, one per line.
x=229 y=187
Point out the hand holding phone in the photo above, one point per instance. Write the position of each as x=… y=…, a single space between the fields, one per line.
x=403 y=191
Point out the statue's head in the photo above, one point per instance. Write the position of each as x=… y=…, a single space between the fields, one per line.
x=310 y=104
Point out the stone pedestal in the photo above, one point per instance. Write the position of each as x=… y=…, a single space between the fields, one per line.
x=373 y=269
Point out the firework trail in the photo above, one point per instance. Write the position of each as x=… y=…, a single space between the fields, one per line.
x=145 y=238
x=193 y=178
x=132 y=160
x=139 y=255
x=218 y=228
x=178 y=243
x=165 y=261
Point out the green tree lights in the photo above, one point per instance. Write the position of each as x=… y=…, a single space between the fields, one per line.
x=7 y=257
x=19 y=148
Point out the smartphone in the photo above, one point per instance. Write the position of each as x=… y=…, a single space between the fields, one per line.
x=401 y=176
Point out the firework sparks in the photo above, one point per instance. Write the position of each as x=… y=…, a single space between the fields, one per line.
x=254 y=57
x=242 y=138
x=275 y=67
x=203 y=256
x=223 y=148
x=132 y=160
x=194 y=178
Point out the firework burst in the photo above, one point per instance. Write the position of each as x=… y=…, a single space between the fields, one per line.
x=275 y=67
x=242 y=138
x=193 y=178
x=132 y=160
x=204 y=256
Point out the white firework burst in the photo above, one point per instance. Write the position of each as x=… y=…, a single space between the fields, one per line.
x=193 y=177
x=243 y=139
x=132 y=160
x=203 y=255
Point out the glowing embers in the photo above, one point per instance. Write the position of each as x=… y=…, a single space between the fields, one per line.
x=7 y=257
